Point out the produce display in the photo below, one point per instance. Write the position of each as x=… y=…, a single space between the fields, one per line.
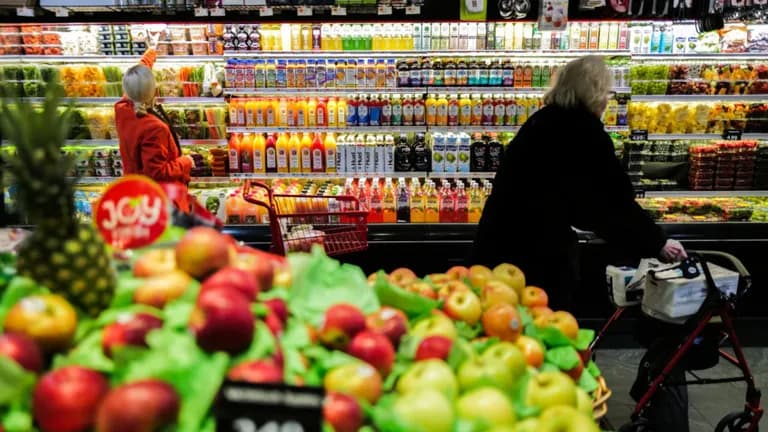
x=699 y=79
x=698 y=117
x=474 y=345
x=702 y=209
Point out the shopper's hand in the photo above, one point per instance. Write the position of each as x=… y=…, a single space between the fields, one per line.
x=673 y=251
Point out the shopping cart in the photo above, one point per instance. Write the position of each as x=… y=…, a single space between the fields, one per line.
x=298 y=222
x=717 y=310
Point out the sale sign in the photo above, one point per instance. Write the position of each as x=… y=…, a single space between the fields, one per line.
x=133 y=212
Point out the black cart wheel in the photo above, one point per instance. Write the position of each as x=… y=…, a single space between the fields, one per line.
x=739 y=421
x=639 y=425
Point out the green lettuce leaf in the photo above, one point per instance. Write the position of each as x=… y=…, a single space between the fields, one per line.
x=262 y=346
x=15 y=382
x=583 y=339
x=414 y=305
x=564 y=357
x=88 y=353
x=17 y=289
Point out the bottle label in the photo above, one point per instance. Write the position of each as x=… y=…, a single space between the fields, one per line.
x=293 y=159
x=270 y=118
x=450 y=76
x=258 y=161
x=453 y=111
x=362 y=113
x=317 y=160
x=271 y=158
x=300 y=118
x=418 y=114
x=306 y=163
x=282 y=159
x=331 y=117
x=386 y=114
x=408 y=114
x=465 y=112
x=330 y=159
x=321 y=117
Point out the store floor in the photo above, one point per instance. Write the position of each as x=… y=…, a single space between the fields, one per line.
x=707 y=403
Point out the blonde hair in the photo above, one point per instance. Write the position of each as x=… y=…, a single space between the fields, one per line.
x=584 y=82
x=139 y=86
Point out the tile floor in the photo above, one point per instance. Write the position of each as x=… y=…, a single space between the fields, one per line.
x=707 y=403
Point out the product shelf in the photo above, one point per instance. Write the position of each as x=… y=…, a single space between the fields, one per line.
x=353 y=129
x=113 y=100
x=699 y=56
x=114 y=142
x=342 y=175
x=706 y=136
x=529 y=54
x=320 y=91
x=700 y=98
x=108 y=59
x=107 y=180
x=705 y=194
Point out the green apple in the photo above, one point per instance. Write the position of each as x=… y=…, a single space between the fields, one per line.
x=436 y=325
x=584 y=402
x=425 y=410
x=566 y=419
x=549 y=389
x=488 y=406
x=528 y=425
x=429 y=374
x=479 y=372
x=509 y=354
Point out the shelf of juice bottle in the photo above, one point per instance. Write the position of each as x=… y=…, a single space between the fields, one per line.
x=350 y=129
x=705 y=136
x=113 y=100
x=329 y=91
x=512 y=128
x=107 y=180
x=108 y=59
x=115 y=143
x=341 y=175
x=701 y=98
x=752 y=56
x=543 y=54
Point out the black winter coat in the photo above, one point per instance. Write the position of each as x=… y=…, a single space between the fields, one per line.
x=560 y=171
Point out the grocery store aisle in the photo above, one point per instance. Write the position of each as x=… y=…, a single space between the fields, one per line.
x=708 y=404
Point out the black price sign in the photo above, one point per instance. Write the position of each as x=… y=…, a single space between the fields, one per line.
x=638 y=135
x=245 y=407
x=732 y=135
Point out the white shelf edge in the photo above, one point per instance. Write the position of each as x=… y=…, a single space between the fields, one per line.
x=700 y=98
x=114 y=142
x=409 y=174
x=113 y=100
x=432 y=53
x=705 y=136
x=111 y=59
x=700 y=56
x=703 y=194
x=322 y=91
x=362 y=129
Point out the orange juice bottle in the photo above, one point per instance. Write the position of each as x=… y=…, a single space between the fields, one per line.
x=259 y=149
x=241 y=113
x=389 y=204
x=331 y=112
x=330 y=153
x=442 y=111
x=465 y=110
x=432 y=205
x=431 y=108
x=282 y=113
x=322 y=114
x=291 y=113
x=477 y=110
x=294 y=158
x=475 y=206
x=234 y=210
x=312 y=112
x=417 y=204
x=261 y=110
x=250 y=112
x=318 y=155
x=232 y=106
x=341 y=113
x=271 y=113
x=301 y=113
x=234 y=153
x=306 y=154
x=282 y=153
x=246 y=154
x=270 y=154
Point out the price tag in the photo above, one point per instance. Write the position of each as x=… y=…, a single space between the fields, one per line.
x=638 y=135
x=201 y=12
x=639 y=193
x=385 y=10
x=413 y=10
x=25 y=12
x=218 y=12
x=133 y=212
x=338 y=11
x=61 y=12
x=266 y=11
x=303 y=11
x=268 y=407
x=732 y=135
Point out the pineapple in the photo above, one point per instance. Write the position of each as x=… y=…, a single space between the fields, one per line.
x=63 y=254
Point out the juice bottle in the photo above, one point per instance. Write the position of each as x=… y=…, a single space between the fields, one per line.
x=305 y=153
x=290 y=74
x=330 y=153
x=477 y=110
x=259 y=148
x=499 y=110
x=522 y=110
x=330 y=112
x=386 y=111
x=363 y=114
x=301 y=113
x=389 y=204
x=246 y=153
x=351 y=119
x=381 y=74
x=282 y=112
x=261 y=108
x=442 y=111
x=447 y=205
x=270 y=154
x=403 y=199
x=291 y=112
x=250 y=112
x=341 y=112
x=271 y=113
x=234 y=210
x=465 y=110
x=312 y=112
x=241 y=112
x=375 y=212
x=397 y=111
x=270 y=74
x=407 y=111
x=260 y=74
x=453 y=111
x=417 y=203
x=232 y=107
x=294 y=154
x=431 y=110
x=488 y=110
x=318 y=155
x=282 y=153
x=234 y=153
x=510 y=114
x=432 y=204
x=462 y=211
x=418 y=111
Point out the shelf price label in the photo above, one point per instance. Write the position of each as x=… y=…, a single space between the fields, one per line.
x=266 y=11
x=218 y=12
x=638 y=135
x=338 y=11
x=732 y=135
x=413 y=10
x=201 y=12
x=268 y=407
x=25 y=12
x=303 y=11
x=385 y=10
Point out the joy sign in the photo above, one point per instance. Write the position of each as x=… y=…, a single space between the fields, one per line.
x=133 y=212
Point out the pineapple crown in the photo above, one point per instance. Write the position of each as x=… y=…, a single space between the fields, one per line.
x=39 y=167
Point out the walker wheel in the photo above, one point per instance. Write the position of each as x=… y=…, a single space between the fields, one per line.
x=739 y=421
x=639 y=425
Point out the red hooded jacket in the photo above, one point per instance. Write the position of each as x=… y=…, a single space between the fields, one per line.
x=147 y=145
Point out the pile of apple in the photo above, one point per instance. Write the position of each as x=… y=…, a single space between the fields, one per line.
x=468 y=350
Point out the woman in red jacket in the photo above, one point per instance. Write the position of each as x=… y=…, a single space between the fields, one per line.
x=148 y=144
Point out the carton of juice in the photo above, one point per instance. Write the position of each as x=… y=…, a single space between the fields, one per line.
x=463 y=152
x=451 y=153
x=438 y=152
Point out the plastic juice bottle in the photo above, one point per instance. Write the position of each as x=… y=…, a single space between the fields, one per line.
x=341 y=112
x=389 y=205
x=294 y=154
x=510 y=111
x=234 y=211
x=241 y=112
x=270 y=154
x=282 y=153
x=234 y=153
x=432 y=204
x=441 y=118
x=375 y=212
x=419 y=111
x=312 y=112
x=259 y=148
x=301 y=113
x=282 y=113
x=321 y=114
x=465 y=110
x=351 y=119
x=330 y=153
x=381 y=74
x=475 y=206
x=417 y=204
x=522 y=110
x=303 y=153
x=407 y=111
x=232 y=107
x=318 y=155
x=462 y=211
x=271 y=113
x=499 y=110
x=291 y=113
x=386 y=111
x=397 y=111
x=261 y=108
x=477 y=110
x=246 y=153
x=431 y=108
x=403 y=207
x=488 y=110
x=453 y=111
x=447 y=206
x=330 y=112
x=250 y=112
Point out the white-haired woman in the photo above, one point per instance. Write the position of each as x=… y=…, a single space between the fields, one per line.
x=560 y=171
x=148 y=144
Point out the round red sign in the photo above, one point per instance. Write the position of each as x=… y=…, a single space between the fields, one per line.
x=133 y=212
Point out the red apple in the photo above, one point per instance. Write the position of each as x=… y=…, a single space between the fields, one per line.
x=433 y=347
x=140 y=406
x=155 y=262
x=575 y=372
x=129 y=329
x=534 y=297
x=497 y=292
x=233 y=277
x=202 y=251
x=390 y=322
x=265 y=371
x=402 y=277
x=479 y=275
x=343 y=412
x=458 y=273
x=222 y=321
x=502 y=321
x=279 y=308
x=161 y=289
x=23 y=350
x=260 y=265
x=358 y=379
x=423 y=289
x=341 y=323
x=66 y=399
x=510 y=275
x=374 y=349
x=445 y=289
x=463 y=305
x=532 y=350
